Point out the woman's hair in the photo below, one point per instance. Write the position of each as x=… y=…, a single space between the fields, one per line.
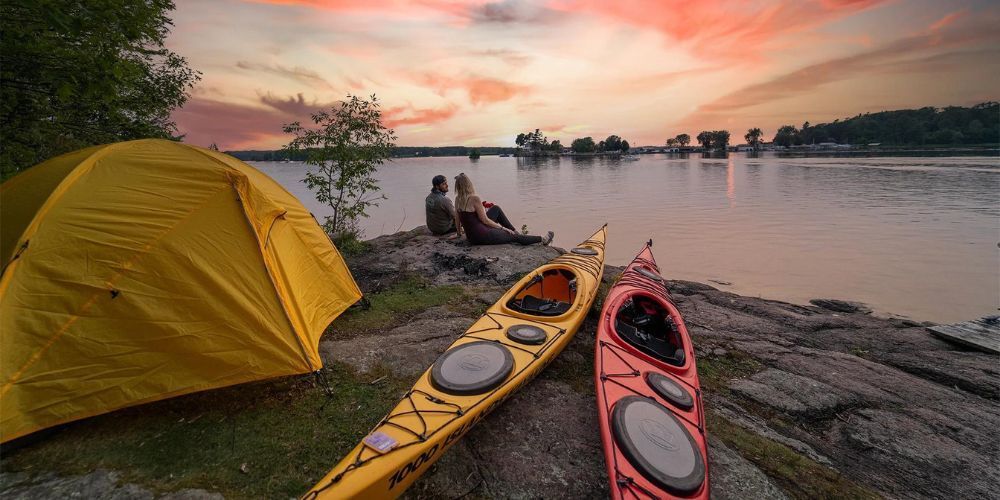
x=464 y=190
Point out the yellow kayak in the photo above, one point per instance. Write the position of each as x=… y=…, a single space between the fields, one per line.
x=514 y=340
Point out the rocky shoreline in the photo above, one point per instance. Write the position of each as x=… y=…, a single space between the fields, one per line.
x=803 y=401
x=878 y=401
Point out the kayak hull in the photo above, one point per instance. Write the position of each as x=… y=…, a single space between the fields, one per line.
x=624 y=371
x=433 y=416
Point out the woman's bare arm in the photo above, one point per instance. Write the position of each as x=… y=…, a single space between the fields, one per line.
x=481 y=212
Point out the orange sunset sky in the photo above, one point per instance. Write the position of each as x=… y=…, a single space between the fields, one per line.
x=476 y=73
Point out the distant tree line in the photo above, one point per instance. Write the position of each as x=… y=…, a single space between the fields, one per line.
x=613 y=144
x=398 y=152
x=953 y=125
x=950 y=126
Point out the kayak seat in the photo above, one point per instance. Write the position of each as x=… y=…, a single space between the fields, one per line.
x=650 y=341
x=540 y=307
x=549 y=293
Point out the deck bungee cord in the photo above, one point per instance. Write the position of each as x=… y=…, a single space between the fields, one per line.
x=589 y=263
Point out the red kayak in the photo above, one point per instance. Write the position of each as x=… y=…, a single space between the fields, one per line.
x=648 y=395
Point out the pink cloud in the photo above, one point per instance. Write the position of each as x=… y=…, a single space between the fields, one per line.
x=947 y=20
x=231 y=126
x=297 y=73
x=512 y=58
x=481 y=90
x=234 y=126
x=729 y=30
x=902 y=55
x=408 y=115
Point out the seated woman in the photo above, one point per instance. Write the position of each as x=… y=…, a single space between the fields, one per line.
x=487 y=227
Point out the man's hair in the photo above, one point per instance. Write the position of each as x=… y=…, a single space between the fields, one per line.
x=437 y=180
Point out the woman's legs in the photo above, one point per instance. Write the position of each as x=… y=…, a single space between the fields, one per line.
x=526 y=239
x=499 y=236
x=495 y=214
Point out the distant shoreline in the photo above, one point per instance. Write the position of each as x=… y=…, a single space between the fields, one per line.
x=984 y=150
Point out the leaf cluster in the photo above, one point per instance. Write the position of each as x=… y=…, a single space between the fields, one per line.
x=714 y=139
x=345 y=150
x=79 y=73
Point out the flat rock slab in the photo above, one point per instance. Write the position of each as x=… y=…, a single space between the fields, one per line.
x=736 y=478
x=843 y=306
x=792 y=393
x=406 y=351
x=450 y=261
x=533 y=446
x=982 y=334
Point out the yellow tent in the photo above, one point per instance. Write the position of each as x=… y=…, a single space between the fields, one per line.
x=143 y=270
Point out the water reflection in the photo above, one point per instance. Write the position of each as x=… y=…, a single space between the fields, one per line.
x=914 y=236
x=730 y=182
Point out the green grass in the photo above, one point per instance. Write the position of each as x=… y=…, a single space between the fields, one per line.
x=798 y=476
x=392 y=307
x=715 y=372
x=286 y=431
x=350 y=245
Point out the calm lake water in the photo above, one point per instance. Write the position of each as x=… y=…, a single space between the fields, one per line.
x=914 y=237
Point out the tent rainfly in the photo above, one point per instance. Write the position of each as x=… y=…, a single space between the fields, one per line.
x=143 y=270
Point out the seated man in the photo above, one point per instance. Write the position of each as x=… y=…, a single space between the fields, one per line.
x=441 y=215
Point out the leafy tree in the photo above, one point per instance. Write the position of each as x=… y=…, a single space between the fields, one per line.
x=672 y=143
x=624 y=146
x=347 y=148
x=556 y=146
x=683 y=139
x=537 y=141
x=474 y=154
x=75 y=74
x=720 y=139
x=583 y=145
x=705 y=139
x=753 y=137
x=612 y=143
x=521 y=140
x=787 y=135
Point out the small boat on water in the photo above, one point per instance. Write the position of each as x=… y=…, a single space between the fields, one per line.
x=510 y=344
x=648 y=394
x=505 y=155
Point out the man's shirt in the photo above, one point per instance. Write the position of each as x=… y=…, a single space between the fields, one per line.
x=440 y=213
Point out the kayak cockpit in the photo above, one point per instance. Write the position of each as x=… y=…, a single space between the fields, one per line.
x=549 y=293
x=646 y=324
